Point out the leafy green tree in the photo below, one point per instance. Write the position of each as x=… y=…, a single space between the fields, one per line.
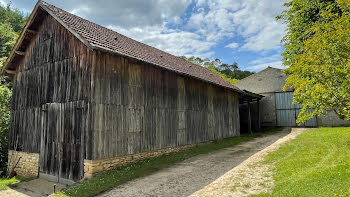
x=234 y=66
x=224 y=76
x=11 y=23
x=5 y=97
x=12 y=16
x=233 y=71
x=299 y=17
x=7 y=39
x=317 y=53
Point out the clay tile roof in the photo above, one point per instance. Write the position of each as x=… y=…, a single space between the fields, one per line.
x=102 y=38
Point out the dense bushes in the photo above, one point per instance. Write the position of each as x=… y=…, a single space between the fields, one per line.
x=11 y=23
x=5 y=97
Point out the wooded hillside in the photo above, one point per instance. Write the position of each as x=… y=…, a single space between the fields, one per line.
x=231 y=73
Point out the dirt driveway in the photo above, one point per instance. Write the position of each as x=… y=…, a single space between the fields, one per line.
x=189 y=176
x=251 y=177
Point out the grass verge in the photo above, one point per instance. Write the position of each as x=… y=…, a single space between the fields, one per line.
x=316 y=163
x=5 y=183
x=112 y=178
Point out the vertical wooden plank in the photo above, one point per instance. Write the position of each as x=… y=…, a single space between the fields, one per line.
x=113 y=122
x=258 y=114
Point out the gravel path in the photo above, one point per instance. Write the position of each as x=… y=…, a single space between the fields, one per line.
x=250 y=177
x=191 y=175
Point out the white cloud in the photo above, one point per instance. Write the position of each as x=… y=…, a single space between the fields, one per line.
x=263 y=60
x=232 y=45
x=130 y=13
x=166 y=24
x=213 y=20
x=80 y=10
x=145 y=21
x=258 y=67
x=172 y=41
x=262 y=63
x=253 y=20
x=162 y=23
x=269 y=38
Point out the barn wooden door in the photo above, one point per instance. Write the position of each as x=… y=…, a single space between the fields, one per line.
x=287 y=112
x=62 y=139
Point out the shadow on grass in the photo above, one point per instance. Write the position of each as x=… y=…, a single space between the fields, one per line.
x=6 y=183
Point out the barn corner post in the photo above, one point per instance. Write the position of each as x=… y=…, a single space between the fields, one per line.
x=249 y=116
x=250 y=111
x=258 y=114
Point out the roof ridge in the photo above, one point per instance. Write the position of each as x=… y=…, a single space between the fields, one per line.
x=106 y=28
x=255 y=74
x=115 y=32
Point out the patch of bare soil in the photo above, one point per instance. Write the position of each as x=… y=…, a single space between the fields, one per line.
x=189 y=176
x=250 y=177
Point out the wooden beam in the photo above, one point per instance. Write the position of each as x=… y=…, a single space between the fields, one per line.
x=12 y=72
x=31 y=31
x=249 y=117
x=258 y=114
x=20 y=52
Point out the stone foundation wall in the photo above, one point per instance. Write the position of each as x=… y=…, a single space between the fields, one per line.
x=92 y=167
x=28 y=165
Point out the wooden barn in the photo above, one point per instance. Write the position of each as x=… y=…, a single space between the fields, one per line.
x=86 y=99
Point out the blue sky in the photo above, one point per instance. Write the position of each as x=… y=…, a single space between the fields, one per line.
x=243 y=31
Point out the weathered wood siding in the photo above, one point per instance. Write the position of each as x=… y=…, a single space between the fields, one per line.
x=130 y=107
x=62 y=140
x=56 y=69
x=138 y=107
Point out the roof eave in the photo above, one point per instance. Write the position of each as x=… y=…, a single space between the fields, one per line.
x=252 y=94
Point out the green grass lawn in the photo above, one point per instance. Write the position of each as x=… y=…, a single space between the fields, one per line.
x=316 y=163
x=110 y=179
x=4 y=183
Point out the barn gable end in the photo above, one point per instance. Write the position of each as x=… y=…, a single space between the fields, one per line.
x=54 y=73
